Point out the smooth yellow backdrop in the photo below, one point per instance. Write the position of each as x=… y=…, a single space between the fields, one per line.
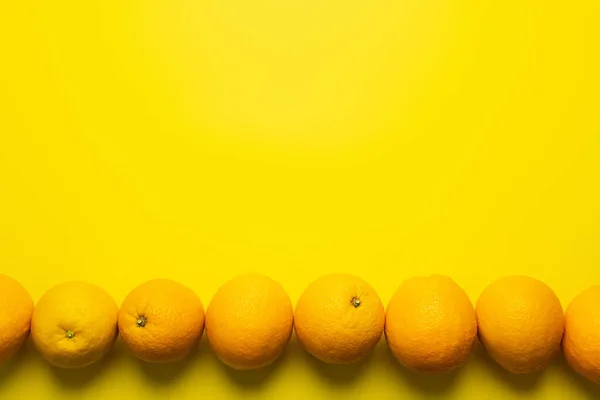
x=196 y=140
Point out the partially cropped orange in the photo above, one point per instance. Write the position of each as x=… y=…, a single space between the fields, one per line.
x=74 y=324
x=521 y=323
x=430 y=324
x=16 y=308
x=581 y=343
x=161 y=321
x=339 y=318
x=249 y=321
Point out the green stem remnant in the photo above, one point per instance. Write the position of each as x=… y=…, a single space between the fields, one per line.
x=141 y=321
x=355 y=302
x=69 y=334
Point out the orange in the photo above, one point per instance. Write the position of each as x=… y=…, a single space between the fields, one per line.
x=74 y=324
x=339 y=319
x=161 y=321
x=520 y=322
x=249 y=321
x=16 y=308
x=430 y=325
x=581 y=342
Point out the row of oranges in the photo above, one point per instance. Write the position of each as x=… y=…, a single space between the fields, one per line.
x=430 y=323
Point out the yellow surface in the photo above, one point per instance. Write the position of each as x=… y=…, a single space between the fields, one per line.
x=196 y=140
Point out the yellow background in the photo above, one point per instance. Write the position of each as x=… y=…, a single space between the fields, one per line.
x=198 y=139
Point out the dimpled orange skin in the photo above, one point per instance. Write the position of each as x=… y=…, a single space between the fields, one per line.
x=161 y=321
x=339 y=319
x=521 y=323
x=81 y=309
x=581 y=342
x=249 y=321
x=430 y=324
x=16 y=308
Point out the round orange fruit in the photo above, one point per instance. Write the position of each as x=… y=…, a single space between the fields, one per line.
x=74 y=324
x=16 y=307
x=161 y=321
x=249 y=321
x=521 y=323
x=430 y=324
x=581 y=343
x=339 y=319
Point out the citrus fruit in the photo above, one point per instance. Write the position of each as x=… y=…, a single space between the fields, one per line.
x=161 y=321
x=16 y=308
x=74 y=324
x=581 y=343
x=249 y=321
x=520 y=323
x=430 y=324
x=339 y=318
